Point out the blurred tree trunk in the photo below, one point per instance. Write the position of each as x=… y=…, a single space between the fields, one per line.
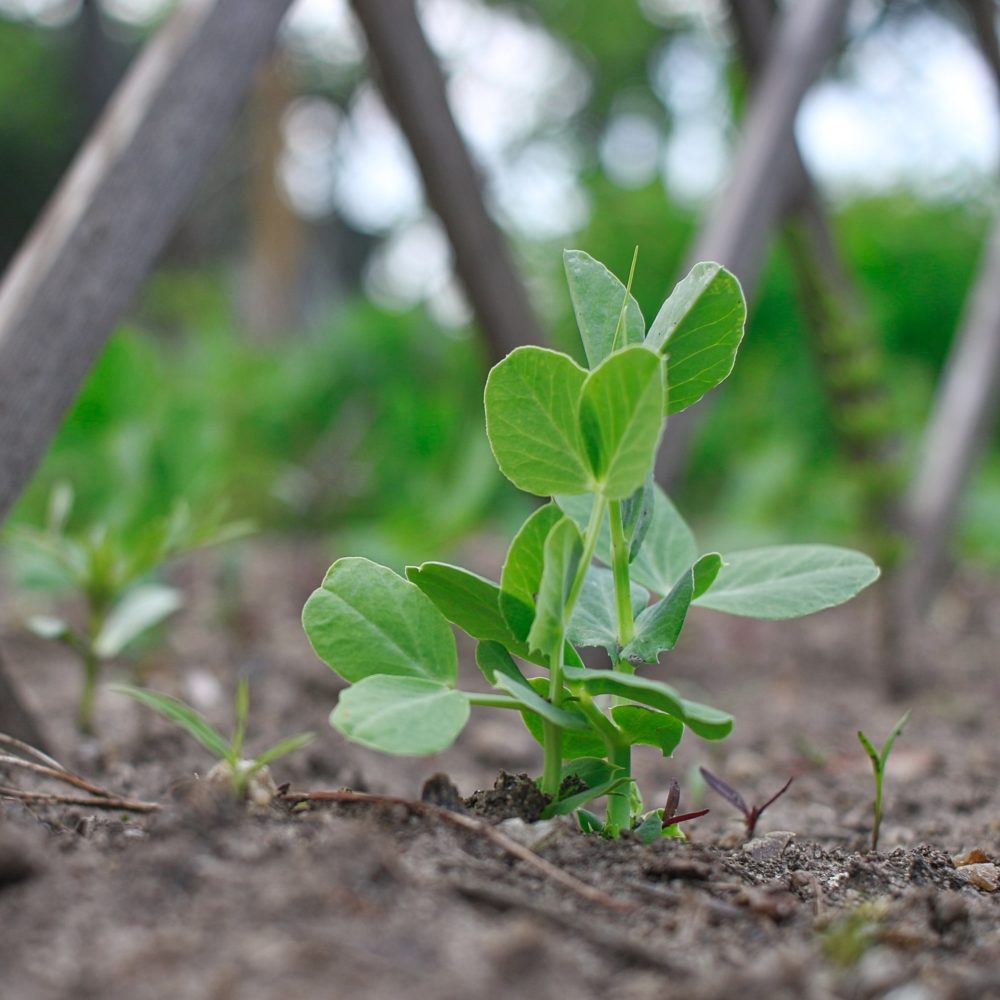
x=965 y=407
x=414 y=89
x=763 y=173
x=270 y=293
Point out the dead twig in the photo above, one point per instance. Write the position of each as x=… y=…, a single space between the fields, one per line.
x=512 y=847
x=97 y=798
x=54 y=798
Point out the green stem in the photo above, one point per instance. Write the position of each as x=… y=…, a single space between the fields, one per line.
x=619 y=810
x=551 y=733
x=619 y=567
x=91 y=670
x=493 y=700
x=878 y=808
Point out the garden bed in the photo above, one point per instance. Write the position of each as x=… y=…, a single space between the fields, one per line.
x=380 y=898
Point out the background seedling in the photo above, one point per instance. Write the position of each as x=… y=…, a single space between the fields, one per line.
x=109 y=569
x=244 y=775
x=608 y=562
x=750 y=814
x=879 y=761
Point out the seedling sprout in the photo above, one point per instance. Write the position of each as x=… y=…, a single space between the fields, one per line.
x=751 y=814
x=879 y=761
x=243 y=774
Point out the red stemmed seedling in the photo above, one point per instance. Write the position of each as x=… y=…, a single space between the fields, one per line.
x=750 y=814
x=670 y=815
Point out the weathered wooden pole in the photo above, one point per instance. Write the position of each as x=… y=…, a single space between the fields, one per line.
x=414 y=89
x=86 y=257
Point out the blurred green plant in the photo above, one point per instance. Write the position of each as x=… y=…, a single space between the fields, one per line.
x=247 y=777
x=879 y=761
x=109 y=571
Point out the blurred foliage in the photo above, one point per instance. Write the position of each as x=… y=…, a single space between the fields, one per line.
x=375 y=418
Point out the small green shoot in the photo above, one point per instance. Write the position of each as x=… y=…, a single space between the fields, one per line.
x=239 y=770
x=879 y=761
x=607 y=562
x=109 y=569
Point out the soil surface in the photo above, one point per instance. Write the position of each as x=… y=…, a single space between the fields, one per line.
x=373 y=899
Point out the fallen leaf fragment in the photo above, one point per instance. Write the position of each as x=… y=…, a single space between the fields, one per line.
x=982 y=876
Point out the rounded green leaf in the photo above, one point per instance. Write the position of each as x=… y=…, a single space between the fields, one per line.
x=402 y=715
x=522 y=570
x=598 y=297
x=594 y=620
x=707 y=722
x=788 y=581
x=466 y=599
x=621 y=419
x=532 y=420
x=699 y=328
x=643 y=725
x=367 y=620
x=561 y=555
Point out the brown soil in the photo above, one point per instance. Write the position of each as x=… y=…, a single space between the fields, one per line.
x=373 y=900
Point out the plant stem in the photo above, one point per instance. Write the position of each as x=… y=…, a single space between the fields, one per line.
x=551 y=733
x=619 y=567
x=91 y=670
x=493 y=700
x=878 y=807
x=619 y=809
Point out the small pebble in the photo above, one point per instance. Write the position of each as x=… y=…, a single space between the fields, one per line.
x=976 y=856
x=982 y=876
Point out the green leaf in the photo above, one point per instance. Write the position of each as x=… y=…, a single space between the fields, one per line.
x=561 y=556
x=641 y=689
x=643 y=725
x=366 y=620
x=282 y=748
x=589 y=822
x=699 y=328
x=597 y=297
x=637 y=515
x=891 y=739
x=659 y=626
x=401 y=715
x=707 y=722
x=466 y=599
x=580 y=742
x=522 y=570
x=532 y=420
x=502 y=672
x=49 y=627
x=192 y=722
x=594 y=621
x=139 y=610
x=621 y=419
x=788 y=581
x=667 y=551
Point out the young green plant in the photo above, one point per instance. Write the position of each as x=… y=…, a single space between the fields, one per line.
x=879 y=761
x=109 y=570
x=247 y=777
x=606 y=562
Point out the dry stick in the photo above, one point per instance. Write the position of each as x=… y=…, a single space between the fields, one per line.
x=737 y=230
x=512 y=847
x=26 y=748
x=414 y=88
x=58 y=774
x=53 y=798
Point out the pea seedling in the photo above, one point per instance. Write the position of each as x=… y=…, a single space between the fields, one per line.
x=879 y=761
x=586 y=437
x=751 y=814
x=109 y=571
x=248 y=778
